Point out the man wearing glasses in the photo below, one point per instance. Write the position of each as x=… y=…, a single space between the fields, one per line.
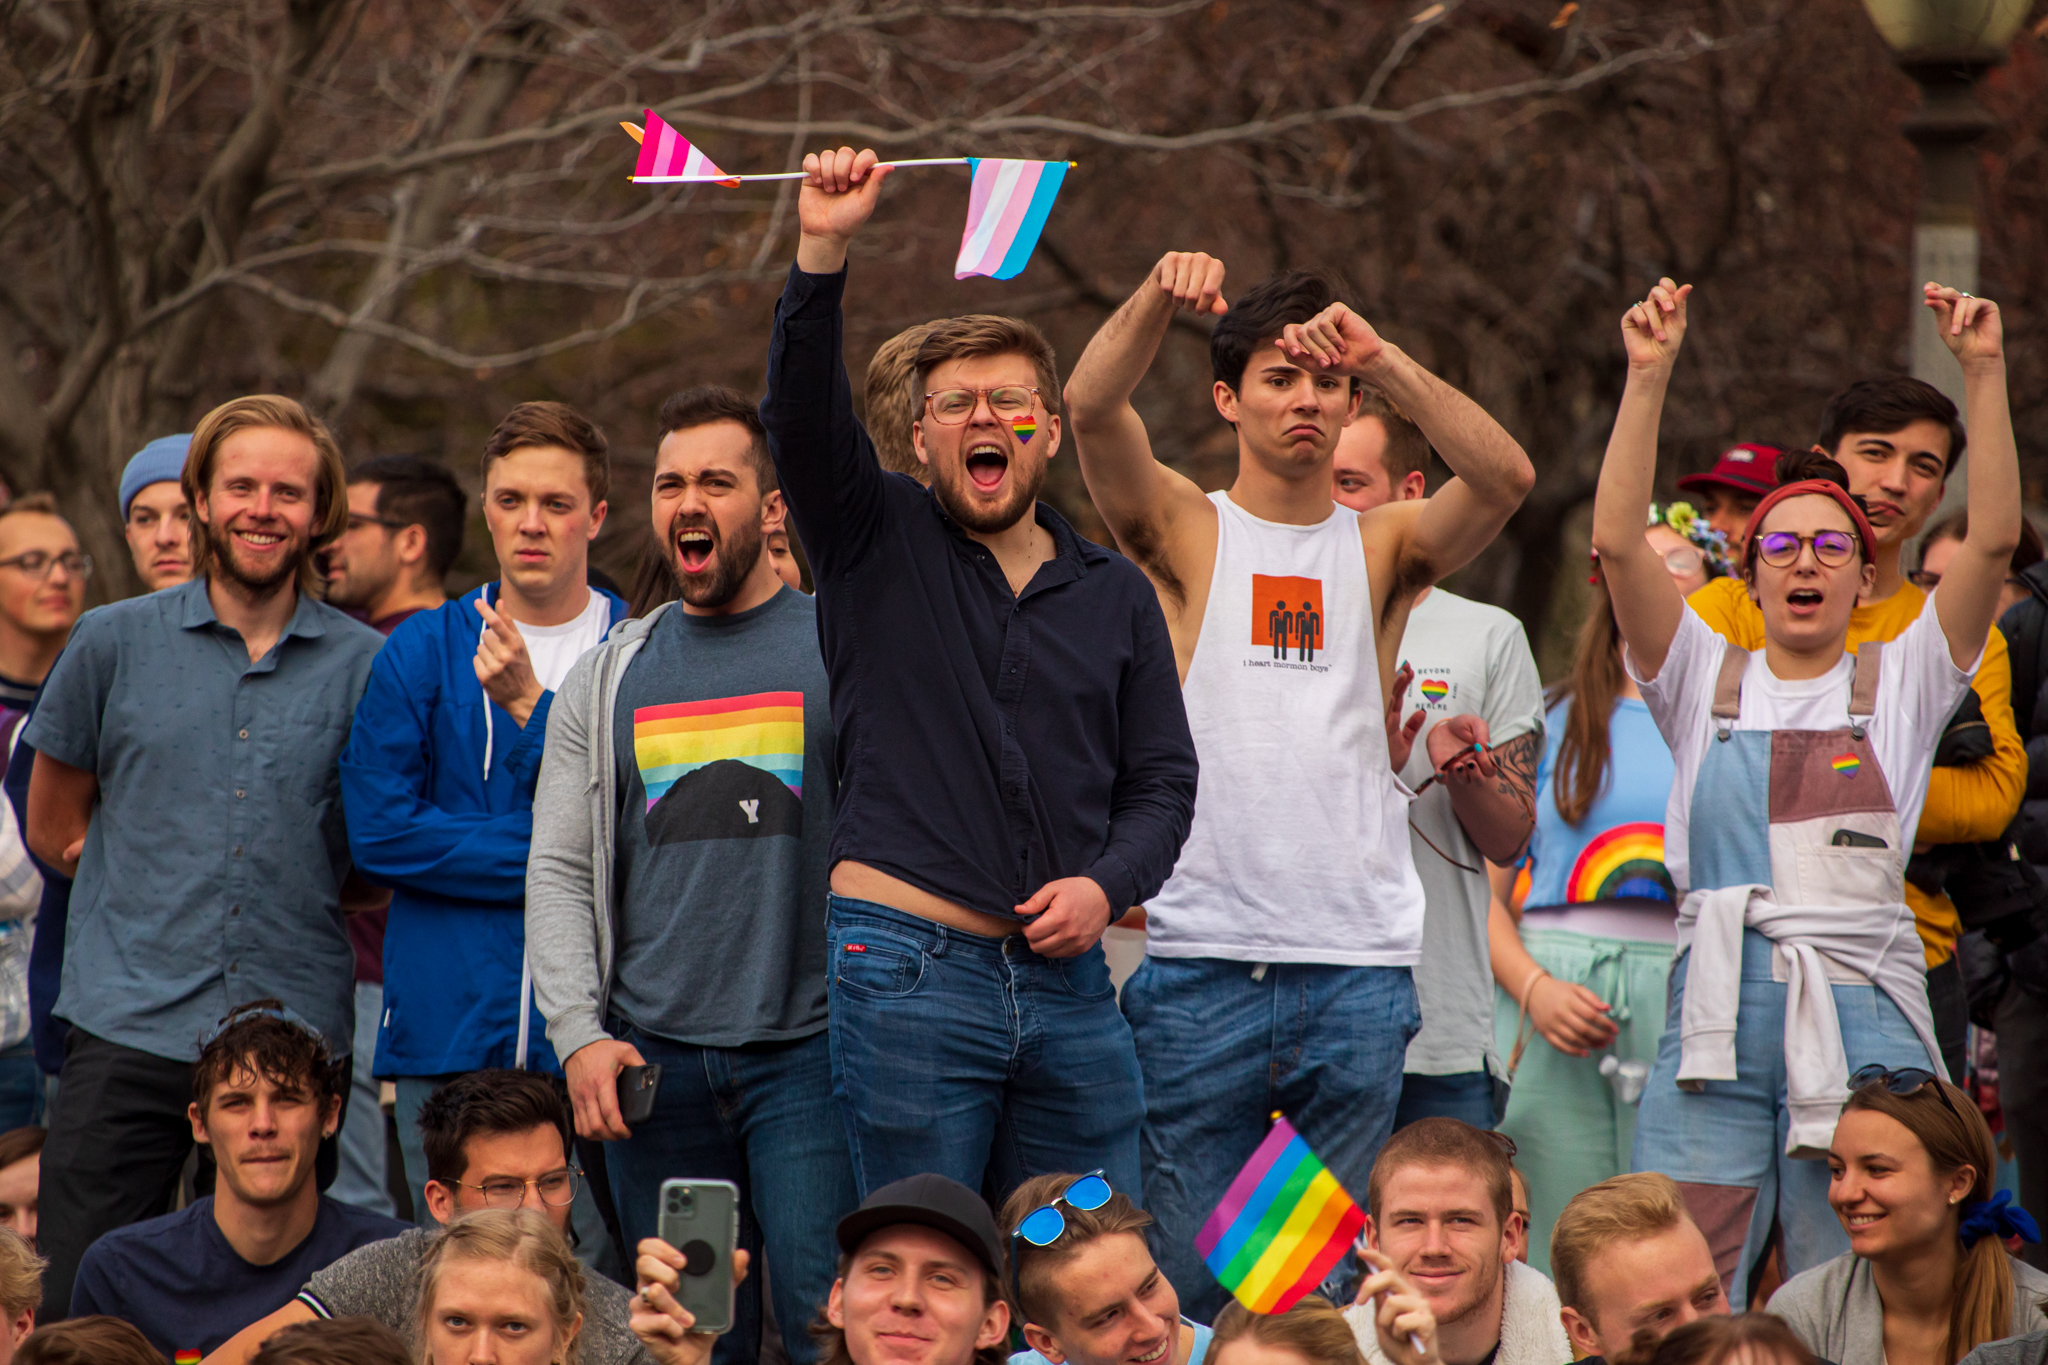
x=42 y=591
x=266 y=1092
x=494 y=1140
x=404 y=532
x=1014 y=760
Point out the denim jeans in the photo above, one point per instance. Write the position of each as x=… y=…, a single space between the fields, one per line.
x=361 y=1180
x=1224 y=1044
x=763 y=1117
x=1725 y=1143
x=21 y=1087
x=1466 y=1096
x=971 y=1056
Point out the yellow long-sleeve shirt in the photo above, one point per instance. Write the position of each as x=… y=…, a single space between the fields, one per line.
x=1964 y=805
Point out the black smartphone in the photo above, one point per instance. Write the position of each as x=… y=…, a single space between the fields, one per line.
x=701 y=1219
x=1856 y=838
x=638 y=1086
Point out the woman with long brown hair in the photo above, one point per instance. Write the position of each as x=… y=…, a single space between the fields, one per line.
x=1926 y=1279
x=1583 y=962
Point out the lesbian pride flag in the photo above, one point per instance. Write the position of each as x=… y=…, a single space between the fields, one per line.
x=1282 y=1224
x=1006 y=210
x=664 y=151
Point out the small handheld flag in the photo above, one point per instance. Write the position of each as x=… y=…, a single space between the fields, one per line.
x=1006 y=210
x=664 y=151
x=1284 y=1222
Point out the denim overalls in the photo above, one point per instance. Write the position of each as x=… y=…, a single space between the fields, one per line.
x=1809 y=815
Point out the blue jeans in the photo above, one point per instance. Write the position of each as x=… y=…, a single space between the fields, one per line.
x=763 y=1117
x=1467 y=1096
x=970 y=1056
x=1222 y=1049
x=361 y=1180
x=1725 y=1143
x=21 y=1087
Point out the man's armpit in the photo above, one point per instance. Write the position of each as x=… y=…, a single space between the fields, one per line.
x=1145 y=541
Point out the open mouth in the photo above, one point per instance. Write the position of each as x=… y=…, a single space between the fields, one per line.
x=694 y=548
x=987 y=462
x=261 y=540
x=1805 y=599
x=1158 y=1352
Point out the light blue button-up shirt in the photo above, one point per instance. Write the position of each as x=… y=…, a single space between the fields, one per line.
x=212 y=870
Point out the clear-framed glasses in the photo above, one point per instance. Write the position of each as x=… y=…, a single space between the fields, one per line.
x=1043 y=1225
x=361 y=519
x=508 y=1192
x=37 y=564
x=1684 y=562
x=954 y=406
x=1780 y=549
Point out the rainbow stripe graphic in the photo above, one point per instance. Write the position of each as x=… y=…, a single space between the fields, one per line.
x=1026 y=427
x=1435 y=689
x=187 y=1357
x=664 y=151
x=1006 y=210
x=1282 y=1224
x=765 y=731
x=1848 y=765
x=1627 y=860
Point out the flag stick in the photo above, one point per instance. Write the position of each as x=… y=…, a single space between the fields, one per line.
x=634 y=131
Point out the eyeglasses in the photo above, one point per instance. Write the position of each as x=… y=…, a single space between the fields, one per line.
x=955 y=406
x=504 y=1192
x=356 y=519
x=1780 y=549
x=1043 y=1225
x=1684 y=563
x=1906 y=1080
x=37 y=564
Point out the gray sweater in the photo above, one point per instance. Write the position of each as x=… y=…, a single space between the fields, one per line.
x=2031 y=1349
x=1835 y=1310
x=570 y=937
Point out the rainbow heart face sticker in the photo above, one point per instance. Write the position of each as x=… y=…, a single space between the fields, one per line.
x=1435 y=689
x=1026 y=427
x=1848 y=765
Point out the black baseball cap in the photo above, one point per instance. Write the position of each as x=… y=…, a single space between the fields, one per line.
x=931 y=1201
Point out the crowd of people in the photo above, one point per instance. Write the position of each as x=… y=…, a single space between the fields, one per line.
x=1620 y=1007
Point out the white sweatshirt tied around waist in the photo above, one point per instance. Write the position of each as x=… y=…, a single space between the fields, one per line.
x=1878 y=943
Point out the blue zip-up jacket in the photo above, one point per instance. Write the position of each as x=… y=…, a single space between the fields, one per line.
x=450 y=843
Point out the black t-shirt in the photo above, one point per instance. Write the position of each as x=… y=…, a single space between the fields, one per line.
x=179 y=1281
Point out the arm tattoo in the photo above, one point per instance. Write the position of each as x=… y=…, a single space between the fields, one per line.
x=1517 y=761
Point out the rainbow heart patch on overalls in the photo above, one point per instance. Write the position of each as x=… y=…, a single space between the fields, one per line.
x=1848 y=765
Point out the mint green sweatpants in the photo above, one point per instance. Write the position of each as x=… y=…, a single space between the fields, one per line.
x=1570 y=1129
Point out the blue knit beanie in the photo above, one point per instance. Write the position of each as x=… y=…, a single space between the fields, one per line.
x=161 y=459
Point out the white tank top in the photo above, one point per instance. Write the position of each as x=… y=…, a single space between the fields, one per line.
x=1299 y=850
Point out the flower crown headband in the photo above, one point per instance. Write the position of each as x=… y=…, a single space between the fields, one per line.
x=1683 y=518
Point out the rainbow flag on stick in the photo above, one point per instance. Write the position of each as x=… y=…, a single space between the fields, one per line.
x=664 y=151
x=1282 y=1225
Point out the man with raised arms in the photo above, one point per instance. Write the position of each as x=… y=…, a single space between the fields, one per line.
x=1278 y=967
x=1014 y=761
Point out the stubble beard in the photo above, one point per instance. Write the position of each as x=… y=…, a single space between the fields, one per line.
x=954 y=488
x=732 y=560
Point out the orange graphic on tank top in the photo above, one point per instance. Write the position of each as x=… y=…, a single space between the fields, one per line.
x=1287 y=615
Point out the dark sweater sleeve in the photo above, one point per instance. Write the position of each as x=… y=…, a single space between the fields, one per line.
x=1153 y=799
x=822 y=455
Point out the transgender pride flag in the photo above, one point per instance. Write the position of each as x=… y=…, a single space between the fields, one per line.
x=664 y=151
x=1005 y=213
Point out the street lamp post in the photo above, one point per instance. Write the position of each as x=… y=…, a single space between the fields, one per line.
x=1945 y=45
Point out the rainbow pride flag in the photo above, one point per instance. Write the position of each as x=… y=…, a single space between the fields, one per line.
x=1282 y=1225
x=1006 y=210
x=664 y=151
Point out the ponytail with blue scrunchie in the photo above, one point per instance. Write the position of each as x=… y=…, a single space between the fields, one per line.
x=1996 y=1217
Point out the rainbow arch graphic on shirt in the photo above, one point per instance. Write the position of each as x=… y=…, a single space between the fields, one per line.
x=764 y=730
x=1626 y=860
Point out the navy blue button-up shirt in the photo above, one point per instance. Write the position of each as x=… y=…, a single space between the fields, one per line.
x=212 y=869
x=988 y=741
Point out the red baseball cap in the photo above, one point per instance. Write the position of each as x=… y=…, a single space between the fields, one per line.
x=1747 y=468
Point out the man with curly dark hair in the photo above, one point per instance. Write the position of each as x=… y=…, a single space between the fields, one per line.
x=265 y=1091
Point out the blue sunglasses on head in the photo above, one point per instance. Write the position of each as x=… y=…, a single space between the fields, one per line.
x=1043 y=1225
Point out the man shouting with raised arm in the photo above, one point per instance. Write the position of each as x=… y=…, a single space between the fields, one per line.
x=1014 y=760
x=1277 y=973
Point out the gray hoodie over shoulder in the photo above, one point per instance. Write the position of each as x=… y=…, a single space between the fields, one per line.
x=571 y=937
